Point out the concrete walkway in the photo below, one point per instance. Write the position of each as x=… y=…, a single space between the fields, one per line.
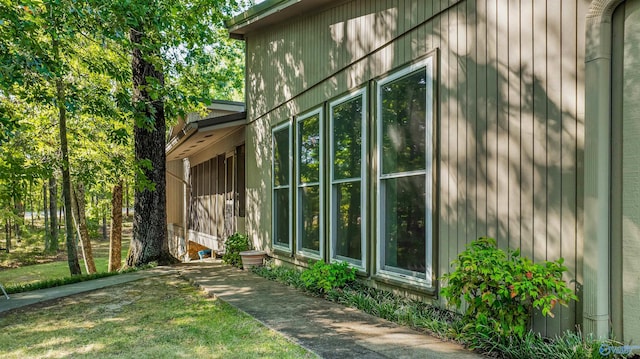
x=326 y=328
x=20 y=300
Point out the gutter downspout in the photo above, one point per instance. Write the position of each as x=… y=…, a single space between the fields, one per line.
x=597 y=172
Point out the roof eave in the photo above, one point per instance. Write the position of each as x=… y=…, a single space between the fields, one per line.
x=272 y=12
x=255 y=14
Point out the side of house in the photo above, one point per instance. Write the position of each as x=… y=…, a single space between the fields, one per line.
x=391 y=133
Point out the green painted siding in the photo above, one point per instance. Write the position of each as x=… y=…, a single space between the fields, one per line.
x=625 y=234
x=509 y=119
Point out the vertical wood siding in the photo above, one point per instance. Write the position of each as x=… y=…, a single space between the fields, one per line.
x=175 y=192
x=508 y=118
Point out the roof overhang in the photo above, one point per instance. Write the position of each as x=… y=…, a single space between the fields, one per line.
x=196 y=135
x=271 y=12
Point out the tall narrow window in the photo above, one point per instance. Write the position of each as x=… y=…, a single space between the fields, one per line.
x=240 y=181
x=347 y=118
x=404 y=173
x=309 y=174
x=281 y=186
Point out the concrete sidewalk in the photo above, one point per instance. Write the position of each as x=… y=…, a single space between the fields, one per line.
x=20 y=300
x=326 y=328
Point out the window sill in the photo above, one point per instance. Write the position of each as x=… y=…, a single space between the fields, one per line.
x=406 y=285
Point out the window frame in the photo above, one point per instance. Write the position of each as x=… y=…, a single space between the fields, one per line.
x=281 y=127
x=299 y=187
x=362 y=263
x=399 y=273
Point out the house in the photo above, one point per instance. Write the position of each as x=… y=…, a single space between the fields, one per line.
x=205 y=179
x=390 y=134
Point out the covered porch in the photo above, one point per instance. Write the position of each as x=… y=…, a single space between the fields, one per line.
x=206 y=180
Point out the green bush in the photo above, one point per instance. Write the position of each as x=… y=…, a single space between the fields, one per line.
x=283 y=274
x=233 y=246
x=323 y=277
x=502 y=289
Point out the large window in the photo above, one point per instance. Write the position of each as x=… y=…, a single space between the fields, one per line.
x=308 y=178
x=347 y=121
x=404 y=111
x=281 y=186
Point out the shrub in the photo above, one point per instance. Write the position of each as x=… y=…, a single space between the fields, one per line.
x=233 y=246
x=323 y=277
x=283 y=274
x=502 y=289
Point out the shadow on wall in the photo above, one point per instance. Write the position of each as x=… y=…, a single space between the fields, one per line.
x=509 y=132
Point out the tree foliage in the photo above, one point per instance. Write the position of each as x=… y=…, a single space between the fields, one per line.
x=67 y=62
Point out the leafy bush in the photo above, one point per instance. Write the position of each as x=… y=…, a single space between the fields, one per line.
x=502 y=289
x=283 y=274
x=233 y=246
x=323 y=277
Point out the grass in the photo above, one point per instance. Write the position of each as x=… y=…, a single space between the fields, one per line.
x=160 y=317
x=28 y=267
x=58 y=269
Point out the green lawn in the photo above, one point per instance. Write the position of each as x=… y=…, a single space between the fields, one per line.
x=58 y=269
x=26 y=263
x=161 y=317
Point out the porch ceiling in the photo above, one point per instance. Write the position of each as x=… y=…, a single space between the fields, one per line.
x=195 y=136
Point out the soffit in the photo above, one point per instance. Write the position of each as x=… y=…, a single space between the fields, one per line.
x=196 y=136
x=272 y=12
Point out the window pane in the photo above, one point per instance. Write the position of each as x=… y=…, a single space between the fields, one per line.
x=403 y=105
x=309 y=149
x=193 y=212
x=281 y=157
x=241 y=186
x=349 y=220
x=347 y=137
x=281 y=217
x=404 y=223
x=310 y=221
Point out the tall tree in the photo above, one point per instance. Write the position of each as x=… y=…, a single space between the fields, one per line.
x=45 y=205
x=166 y=38
x=79 y=216
x=53 y=211
x=149 y=241
x=115 y=240
x=55 y=30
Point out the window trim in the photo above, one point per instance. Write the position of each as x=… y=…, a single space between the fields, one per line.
x=427 y=280
x=286 y=125
x=320 y=184
x=362 y=93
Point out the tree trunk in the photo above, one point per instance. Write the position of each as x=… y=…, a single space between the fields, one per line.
x=115 y=241
x=19 y=212
x=104 y=226
x=33 y=210
x=61 y=101
x=81 y=225
x=7 y=229
x=53 y=210
x=72 y=251
x=126 y=197
x=47 y=235
x=149 y=242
